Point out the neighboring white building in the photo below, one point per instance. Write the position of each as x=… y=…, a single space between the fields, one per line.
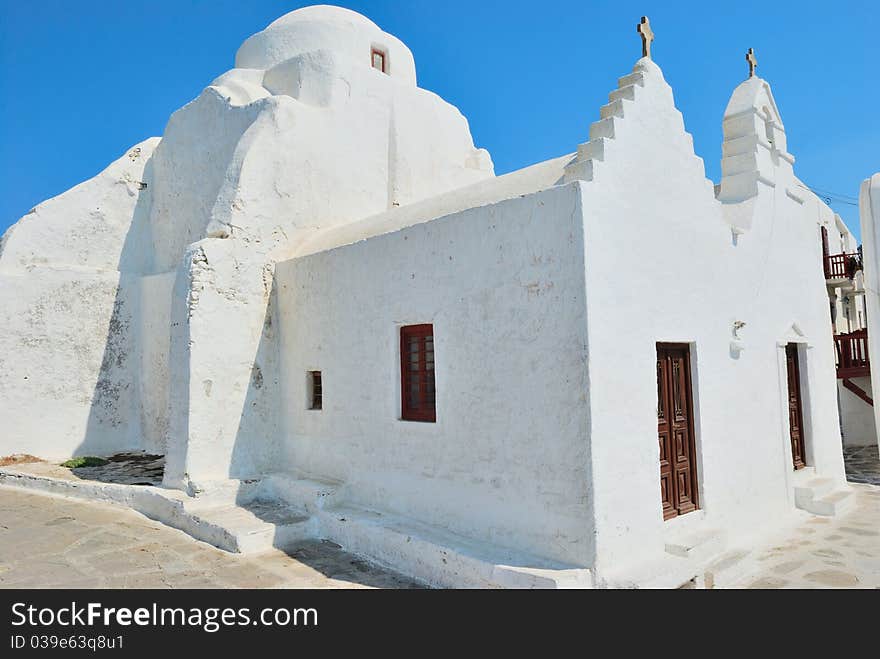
x=842 y=265
x=316 y=278
x=869 y=214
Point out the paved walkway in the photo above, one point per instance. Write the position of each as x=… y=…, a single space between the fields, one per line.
x=54 y=542
x=862 y=464
x=826 y=552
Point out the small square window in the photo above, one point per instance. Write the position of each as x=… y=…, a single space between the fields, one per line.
x=315 y=393
x=378 y=60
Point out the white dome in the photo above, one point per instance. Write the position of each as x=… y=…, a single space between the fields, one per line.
x=341 y=31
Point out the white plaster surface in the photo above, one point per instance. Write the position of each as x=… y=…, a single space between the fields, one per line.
x=69 y=312
x=665 y=261
x=305 y=205
x=869 y=214
x=686 y=278
x=507 y=460
x=857 y=417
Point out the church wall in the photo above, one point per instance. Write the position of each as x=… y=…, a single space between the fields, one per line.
x=68 y=363
x=95 y=225
x=70 y=297
x=263 y=155
x=155 y=319
x=507 y=461
x=223 y=390
x=654 y=227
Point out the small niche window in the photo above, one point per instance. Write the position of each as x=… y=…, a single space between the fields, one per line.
x=315 y=393
x=378 y=60
x=417 y=373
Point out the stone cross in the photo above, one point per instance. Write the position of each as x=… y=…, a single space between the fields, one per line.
x=753 y=62
x=647 y=34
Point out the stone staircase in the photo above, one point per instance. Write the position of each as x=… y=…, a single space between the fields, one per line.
x=645 y=88
x=821 y=496
x=687 y=550
x=698 y=545
x=248 y=528
x=584 y=165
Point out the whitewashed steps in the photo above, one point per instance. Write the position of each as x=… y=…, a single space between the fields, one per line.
x=819 y=496
x=831 y=505
x=696 y=545
x=635 y=78
x=584 y=166
x=249 y=528
x=628 y=92
x=727 y=569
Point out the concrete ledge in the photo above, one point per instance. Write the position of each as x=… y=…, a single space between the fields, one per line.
x=439 y=558
x=279 y=511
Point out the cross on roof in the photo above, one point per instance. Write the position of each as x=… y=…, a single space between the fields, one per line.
x=753 y=62
x=647 y=34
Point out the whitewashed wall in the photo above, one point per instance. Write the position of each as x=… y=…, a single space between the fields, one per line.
x=154 y=380
x=303 y=135
x=68 y=363
x=223 y=383
x=662 y=257
x=507 y=461
x=857 y=417
x=69 y=316
x=869 y=215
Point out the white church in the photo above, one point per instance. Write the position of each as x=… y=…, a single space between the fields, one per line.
x=313 y=292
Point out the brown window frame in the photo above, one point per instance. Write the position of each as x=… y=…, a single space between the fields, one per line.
x=383 y=55
x=316 y=391
x=424 y=409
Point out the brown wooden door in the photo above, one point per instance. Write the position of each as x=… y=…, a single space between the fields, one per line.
x=795 y=412
x=675 y=430
x=825 y=252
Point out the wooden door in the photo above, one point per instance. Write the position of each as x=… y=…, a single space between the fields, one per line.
x=675 y=430
x=825 y=253
x=795 y=411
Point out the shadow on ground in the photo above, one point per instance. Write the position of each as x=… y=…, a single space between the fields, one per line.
x=126 y=469
x=862 y=464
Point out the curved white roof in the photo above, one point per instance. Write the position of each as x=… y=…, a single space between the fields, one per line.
x=343 y=32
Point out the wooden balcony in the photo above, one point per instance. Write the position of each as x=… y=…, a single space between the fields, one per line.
x=842 y=266
x=851 y=351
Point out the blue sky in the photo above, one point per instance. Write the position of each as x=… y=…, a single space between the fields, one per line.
x=82 y=81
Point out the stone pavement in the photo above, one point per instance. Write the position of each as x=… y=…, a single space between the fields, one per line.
x=55 y=542
x=825 y=552
x=862 y=464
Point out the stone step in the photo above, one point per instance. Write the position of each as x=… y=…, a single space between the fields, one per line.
x=727 y=569
x=592 y=150
x=312 y=495
x=696 y=545
x=440 y=558
x=251 y=528
x=813 y=489
x=836 y=503
x=602 y=128
x=224 y=493
x=636 y=78
x=668 y=572
x=612 y=109
x=628 y=93
x=582 y=170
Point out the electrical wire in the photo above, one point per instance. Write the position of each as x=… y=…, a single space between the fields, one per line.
x=832 y=197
